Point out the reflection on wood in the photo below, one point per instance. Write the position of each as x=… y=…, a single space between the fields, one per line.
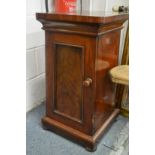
x=107 y=57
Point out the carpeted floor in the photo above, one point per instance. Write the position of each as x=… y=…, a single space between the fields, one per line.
x=43 y=142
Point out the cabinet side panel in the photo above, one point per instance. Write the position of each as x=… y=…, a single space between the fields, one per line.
x=107 y=58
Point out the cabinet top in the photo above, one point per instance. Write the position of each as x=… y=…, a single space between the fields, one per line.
x=83 y=17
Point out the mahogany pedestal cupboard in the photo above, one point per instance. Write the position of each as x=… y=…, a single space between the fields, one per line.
x=81 y=48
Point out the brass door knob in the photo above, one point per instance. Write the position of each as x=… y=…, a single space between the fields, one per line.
x=87 y=82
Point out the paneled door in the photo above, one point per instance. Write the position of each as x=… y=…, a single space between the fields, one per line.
x=70 y=80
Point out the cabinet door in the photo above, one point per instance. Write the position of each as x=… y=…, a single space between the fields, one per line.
x=70 y=76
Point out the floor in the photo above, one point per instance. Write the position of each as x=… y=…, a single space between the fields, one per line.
x=43 y=142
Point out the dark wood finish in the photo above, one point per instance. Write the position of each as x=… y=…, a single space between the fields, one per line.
x=96 y=17
x=81 y=48
x=68 y=76
x=107 y=57
x=86 y=140
x=83 y=45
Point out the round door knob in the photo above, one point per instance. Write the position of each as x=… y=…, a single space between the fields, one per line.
x=87 y=82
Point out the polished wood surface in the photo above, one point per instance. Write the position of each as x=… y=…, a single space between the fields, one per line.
x=68 y=77
x=90 y=142
x=83 y=16
x=107 y=57
x=84 y=46
x=81 y=48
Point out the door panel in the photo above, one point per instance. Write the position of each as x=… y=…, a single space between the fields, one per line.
x=69 y=67
x=70 y=61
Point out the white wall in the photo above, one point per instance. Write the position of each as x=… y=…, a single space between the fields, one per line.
x=103 y=5
x=35 y=56
x=111 y=3
x=98 y=5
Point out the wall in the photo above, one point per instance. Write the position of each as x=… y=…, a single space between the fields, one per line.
x=111 y=3
x=102 y=5
x=98 y=5
x=35 y=56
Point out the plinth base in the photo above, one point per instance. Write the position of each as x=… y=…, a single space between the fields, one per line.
x=89 y=142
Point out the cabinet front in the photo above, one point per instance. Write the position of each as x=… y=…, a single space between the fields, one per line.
x=70 y=80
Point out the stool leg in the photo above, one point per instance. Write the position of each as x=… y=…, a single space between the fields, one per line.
x=119 y=93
